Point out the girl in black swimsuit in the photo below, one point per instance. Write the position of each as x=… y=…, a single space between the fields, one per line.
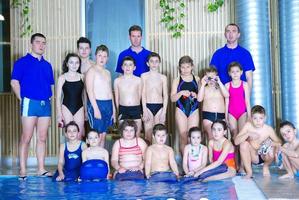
x=70 y=93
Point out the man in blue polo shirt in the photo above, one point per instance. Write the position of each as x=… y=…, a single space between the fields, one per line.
x=32 y=77
x=136 y=51
x=233 y=52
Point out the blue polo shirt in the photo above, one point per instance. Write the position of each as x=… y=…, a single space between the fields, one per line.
x=35 y=77
x=224 y=56
x=140 y=60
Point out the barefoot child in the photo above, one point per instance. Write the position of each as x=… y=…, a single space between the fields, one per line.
x=128 y=153
x=100 y=107
x=195 y=154
x=221 y=155
x=154 y=96
x=95 y=159
x=213 y=94
x=160 y=164
x=238 y=104
x=69 y=161
x=128 y=90
x=256 y=141
x=184 y=92
x=290 y=150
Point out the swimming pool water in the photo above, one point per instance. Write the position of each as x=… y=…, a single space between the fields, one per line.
x=44 y=188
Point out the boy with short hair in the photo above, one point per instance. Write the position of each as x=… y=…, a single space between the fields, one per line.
x=154 y=95
x=128 y=90
x=257 y=141
x=160 y=163
x=84 y=49
x=100 y=107
x=290 y=150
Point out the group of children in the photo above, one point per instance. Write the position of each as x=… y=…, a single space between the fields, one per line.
x=145 y=99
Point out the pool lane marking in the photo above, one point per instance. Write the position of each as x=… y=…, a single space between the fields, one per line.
x=247 y=189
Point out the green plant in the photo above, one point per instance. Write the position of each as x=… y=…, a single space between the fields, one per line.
x=24 y=6
x=173 y=14
x=212 y=7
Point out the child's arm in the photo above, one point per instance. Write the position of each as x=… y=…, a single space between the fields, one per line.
x=116 y=93
x=248 y=75
x=84 y=98
x=145 y=116
x=112 y=98
x=106 y=158
x=172 y=163
x=60 y=83
x=143 y=147
x=247 y=99
x=174 y=96
x=185 y=159
x=90 y=92
x=148 y=162
x=210 y=146
x=243 y=134
x=115 y=158
x=83 y=146
x=84 y=156
x=226 y=103
x=61 y=163
x=223 y=89
x=275 y=139
x=201 y=92
x=165 y=99
x=289 y=152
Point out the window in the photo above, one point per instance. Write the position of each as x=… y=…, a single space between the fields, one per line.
x=5 y=64
x=108 y=22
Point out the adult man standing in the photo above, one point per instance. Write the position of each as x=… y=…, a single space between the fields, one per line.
x=136 y=51
x=84 y=49
x=32 y=77
x=233 y=52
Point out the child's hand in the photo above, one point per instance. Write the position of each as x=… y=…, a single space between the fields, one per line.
x=204 y=80
x=193 y=94
x=191 y=173
x=60 y=177
x=185 y=93
x=122 y=170
x=97 y=114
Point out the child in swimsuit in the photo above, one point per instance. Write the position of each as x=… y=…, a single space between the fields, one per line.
x=70 y=93
x=257 y=141
x=213 y=94
x=154 y=96
x=95 y=152
x=69 y=161
x=160 y=164
x=128 y=92
x=222 y=154
x=195 y=154
x=128 y=153
x=290 y=150
x=100 y=105
x=184 y=92
x=238 y=104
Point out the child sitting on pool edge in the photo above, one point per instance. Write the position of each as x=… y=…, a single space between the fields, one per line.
x=69 y=161
x=160 y=164
x=290 y=150
x=95 y=159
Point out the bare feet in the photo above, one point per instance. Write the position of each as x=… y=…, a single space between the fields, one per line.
x=287 y=176
x=266 y=171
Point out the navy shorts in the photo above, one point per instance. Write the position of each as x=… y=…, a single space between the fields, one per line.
x=106 y=109
x=35 y=108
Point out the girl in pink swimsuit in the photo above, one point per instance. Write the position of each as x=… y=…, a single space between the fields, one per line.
x=239 y=101
x=195 y=154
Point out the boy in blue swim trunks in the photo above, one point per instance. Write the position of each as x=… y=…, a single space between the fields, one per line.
x=128 y=90
x=154 y=95
x=100 y=105
x=160 y=163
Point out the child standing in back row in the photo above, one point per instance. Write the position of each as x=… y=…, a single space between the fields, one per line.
x=154 y=96
x=213 y=94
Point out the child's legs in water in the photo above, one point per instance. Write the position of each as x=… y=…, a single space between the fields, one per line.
x=148 y=126
x=182 y=125
x=207 y=129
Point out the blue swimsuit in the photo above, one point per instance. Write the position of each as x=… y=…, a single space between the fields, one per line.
x=72 y=164
x=187 y=104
